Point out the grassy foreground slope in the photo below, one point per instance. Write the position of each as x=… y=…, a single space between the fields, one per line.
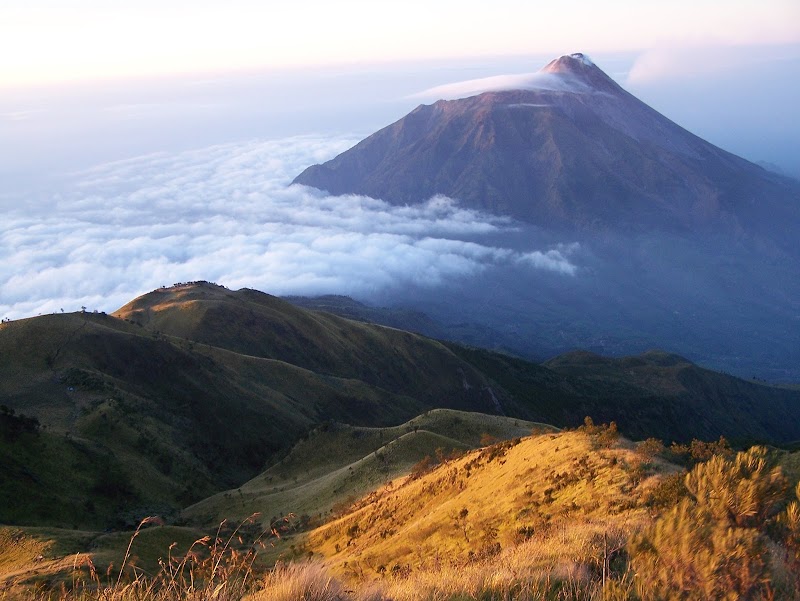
x=574 y=515
x=569 y=515
x=334 y=464
x=557 y=487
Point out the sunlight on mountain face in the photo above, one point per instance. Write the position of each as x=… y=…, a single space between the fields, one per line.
x=226 y=213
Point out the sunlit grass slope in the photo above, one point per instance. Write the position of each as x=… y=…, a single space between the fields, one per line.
x=558 y=488
x=31 y=557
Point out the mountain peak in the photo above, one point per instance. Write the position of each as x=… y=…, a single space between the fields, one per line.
x=580 y=67
x=569 y=63
x=564 y=148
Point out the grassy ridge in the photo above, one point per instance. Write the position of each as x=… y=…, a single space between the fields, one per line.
x=171 y=420
x=252 y=323
x=194 y=390
x=338 y=462
x=558 y=487
x=332 y=466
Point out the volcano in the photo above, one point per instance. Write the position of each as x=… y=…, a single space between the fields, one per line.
x=570 y=150
x=681 y=245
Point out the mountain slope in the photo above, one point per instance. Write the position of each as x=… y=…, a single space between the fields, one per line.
x=179 y=419
x=652 y=394
x=581 y=154
x=203 y=388
x=249 y=322
x=673 y=243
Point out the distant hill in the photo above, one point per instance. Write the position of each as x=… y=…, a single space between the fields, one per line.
x=344 y=306
x=652 y=394
x=339 y=462
x=173 y=418
x=251 y=323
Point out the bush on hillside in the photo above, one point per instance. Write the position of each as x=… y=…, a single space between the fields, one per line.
x=650 y=449
x=714 y=543
x=603 y=435
x=698 y=451
x=12 y=425
x=789 y=522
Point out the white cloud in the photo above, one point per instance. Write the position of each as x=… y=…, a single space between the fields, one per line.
x=555 y=259
x=554 y=82
x=674 y=63
x=226 y=214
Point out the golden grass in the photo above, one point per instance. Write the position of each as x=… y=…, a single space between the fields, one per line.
x=555 y=487
x=220 y=566
x=517 y=575
x=19 y=550
x=300 y=581
x=548 y=517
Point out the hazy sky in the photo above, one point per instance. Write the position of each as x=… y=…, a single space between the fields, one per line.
x=145 y=143
x=53 y=40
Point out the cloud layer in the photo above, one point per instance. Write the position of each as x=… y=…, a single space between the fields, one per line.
x=226 y=214
x=556 y=82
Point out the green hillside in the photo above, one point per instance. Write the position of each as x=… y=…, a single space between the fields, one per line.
x=168 y=420
x=193 y=390
x=652 y=394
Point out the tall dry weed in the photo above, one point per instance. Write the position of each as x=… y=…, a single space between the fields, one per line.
x=307 y=581
x=219 y=567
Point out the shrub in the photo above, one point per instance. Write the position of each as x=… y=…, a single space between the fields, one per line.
x=712 y=545
x=687 y=555
x=698 y=451
x=603 y=435
x=789 y=520
x=669 y=490
x=488 y=439
x=421 y=467
x=744 y=492
x=650 y=449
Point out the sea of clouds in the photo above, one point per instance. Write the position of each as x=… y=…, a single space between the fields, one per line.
x=227 y=214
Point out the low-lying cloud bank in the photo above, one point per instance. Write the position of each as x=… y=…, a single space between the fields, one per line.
x=226 y=214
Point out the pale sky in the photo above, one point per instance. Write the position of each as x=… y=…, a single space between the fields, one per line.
x=51 y=41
